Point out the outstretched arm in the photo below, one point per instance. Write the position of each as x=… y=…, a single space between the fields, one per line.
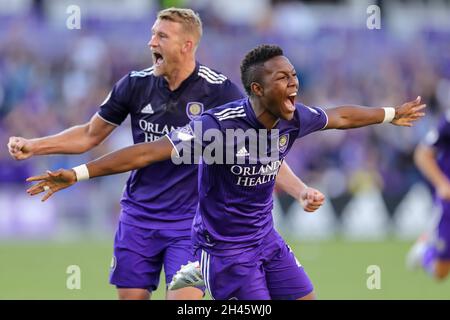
x=310 y=199
x=425 y=160
x=126 y=159
x=346 y=117
x=77 y=139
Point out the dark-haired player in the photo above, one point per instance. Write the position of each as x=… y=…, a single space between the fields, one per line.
x=242 y=256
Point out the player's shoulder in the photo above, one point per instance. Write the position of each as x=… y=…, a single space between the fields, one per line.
x=232 y=111
x=136 y=80
x=302 y=111
x=305 y=116
x=220 y=88
x=211 y=77
x=303 y=108
x=144 y=73
x=217 y=81
x=140 y=77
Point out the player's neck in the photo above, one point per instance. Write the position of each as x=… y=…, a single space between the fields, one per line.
x=178 y=75
x=267 y=119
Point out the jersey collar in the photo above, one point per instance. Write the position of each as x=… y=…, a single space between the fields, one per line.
x=252 y=116
x=185 y=82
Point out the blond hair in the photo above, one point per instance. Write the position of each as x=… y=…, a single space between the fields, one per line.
x=187 y=18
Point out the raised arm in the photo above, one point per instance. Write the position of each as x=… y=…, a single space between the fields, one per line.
x=310 y=199
x=346 y=117
x=425 y=160
x=126 y=159
x=77 y=139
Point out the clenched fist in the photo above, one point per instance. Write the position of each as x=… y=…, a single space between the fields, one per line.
x=19 y=148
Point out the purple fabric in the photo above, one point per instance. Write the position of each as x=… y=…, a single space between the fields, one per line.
x=235 y=200
x=139 y=255
x=163 y=195
x=269 y=271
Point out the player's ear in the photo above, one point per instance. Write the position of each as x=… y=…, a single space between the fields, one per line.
x=188 y=46
x=257 y=89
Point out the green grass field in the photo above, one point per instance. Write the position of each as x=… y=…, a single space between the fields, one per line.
x=337 y=268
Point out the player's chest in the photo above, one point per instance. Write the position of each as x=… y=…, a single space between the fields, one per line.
x=176 y=110
x=256 y=146
x=257 y=162
x=156 y=115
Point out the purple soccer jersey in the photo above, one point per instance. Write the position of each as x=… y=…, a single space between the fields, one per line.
x=163 y=195
x=235 y=199
x=439 y=139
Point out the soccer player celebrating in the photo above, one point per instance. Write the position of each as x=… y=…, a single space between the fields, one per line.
x=159 y=201
x=242 y=256
x=432 y=250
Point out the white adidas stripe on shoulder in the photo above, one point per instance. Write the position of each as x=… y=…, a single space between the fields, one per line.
x=227 y=110
x=211 y=76
x=231 y=113
x=241 y=115
x=208 y=78
x=212 y=73
x=142 y=73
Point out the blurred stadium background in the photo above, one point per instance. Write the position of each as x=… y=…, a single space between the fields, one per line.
x=377 y=202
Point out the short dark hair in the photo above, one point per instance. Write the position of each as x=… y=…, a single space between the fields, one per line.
x=253 y=60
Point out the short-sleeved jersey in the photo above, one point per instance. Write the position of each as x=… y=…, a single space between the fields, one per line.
x=163 y=195
x=235 y=198
x=439 y=138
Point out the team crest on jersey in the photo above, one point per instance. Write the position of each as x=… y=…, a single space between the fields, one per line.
x=194 y=109
x=283 y=142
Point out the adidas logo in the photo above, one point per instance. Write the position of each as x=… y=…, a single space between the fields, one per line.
x=242 y=152
x=148 y=109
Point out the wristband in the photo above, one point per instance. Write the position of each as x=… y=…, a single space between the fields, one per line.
x=81 y=172
x=389 y=114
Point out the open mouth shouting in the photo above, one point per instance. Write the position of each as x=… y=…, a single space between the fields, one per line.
x=289 y=103
x=158 y=59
